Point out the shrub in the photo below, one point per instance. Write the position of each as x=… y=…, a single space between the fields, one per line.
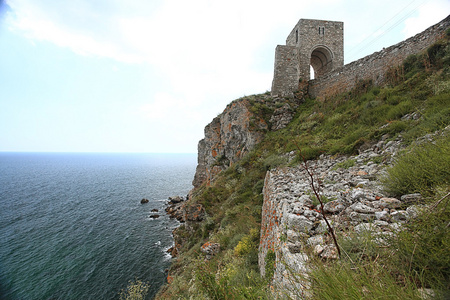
x=247 y=243
x=136 y=290
x=423 y=248
x=422 y=170
x=345 y=164
x=344 y=280
x=270 y=264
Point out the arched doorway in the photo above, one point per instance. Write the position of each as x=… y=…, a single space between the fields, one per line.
x=321 y=61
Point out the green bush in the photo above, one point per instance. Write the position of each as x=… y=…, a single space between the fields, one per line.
x=345 y=164
x=344 y=280
x=136 y=290
x=423 y=170
x=423 y=248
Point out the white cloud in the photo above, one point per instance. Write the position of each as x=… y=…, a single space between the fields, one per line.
x=428 y=14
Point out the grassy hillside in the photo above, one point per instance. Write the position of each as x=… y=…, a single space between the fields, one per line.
x=416 y=102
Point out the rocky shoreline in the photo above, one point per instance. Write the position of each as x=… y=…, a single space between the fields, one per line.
x=179 y=208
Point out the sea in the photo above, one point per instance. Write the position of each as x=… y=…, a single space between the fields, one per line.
x=72 y=225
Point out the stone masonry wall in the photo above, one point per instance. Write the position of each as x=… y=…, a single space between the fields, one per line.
x=374 y=66
x=312 y=42
x=292 y=221
x=320 y=39
x=286 y=71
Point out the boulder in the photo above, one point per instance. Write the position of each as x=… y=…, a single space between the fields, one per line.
x=299 y=223
x=387 y=203
x=383 y=216
x=360 y=217
x=399 y=216
x=210 y=249
x=144 y=200
x=315 y=240
x=175 y=200
x=334 y=207
x=294 y=247
x=329 y=252
x=154 y=216
x=411 y=198
x=414 y=210
x=362 y=208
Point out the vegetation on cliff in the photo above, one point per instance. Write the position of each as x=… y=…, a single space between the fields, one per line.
x=414 y=103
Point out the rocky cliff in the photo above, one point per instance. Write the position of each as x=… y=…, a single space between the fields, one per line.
x=225 y=207
x=227 y=139
x=237 y=130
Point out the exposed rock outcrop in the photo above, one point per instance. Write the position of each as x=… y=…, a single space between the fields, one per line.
x=186 y=213
x=239 y=128
x=228 y=138
x=210 y=249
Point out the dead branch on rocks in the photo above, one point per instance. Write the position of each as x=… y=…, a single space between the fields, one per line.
x=316 y=191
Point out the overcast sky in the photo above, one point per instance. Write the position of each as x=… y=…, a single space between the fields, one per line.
x=147 y=76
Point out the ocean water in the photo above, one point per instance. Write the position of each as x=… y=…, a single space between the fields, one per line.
x=72 y=225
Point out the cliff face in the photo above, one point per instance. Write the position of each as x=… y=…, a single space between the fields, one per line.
x=238 y=129
x=228 y=138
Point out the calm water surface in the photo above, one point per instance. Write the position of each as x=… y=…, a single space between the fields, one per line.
x=72 y=226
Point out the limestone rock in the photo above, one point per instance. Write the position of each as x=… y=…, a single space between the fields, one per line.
x=360 y=217
x=299 y=223
x=176 y=199
x=315 y=240
x=334 y=207
x=414 y=210
x=294 y=247
x=329 y=252
x=281 y=117
x=228 y=138
x=210 y=249
x=382 y=215
x=411 y=198
x=399 y=216
x=361 y=208
x=387 y=203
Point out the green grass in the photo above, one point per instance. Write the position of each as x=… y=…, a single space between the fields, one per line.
x=417 y=257
x=424 y=169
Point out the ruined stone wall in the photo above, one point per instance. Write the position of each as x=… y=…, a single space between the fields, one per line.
x=317 y=43
x=320 y=43
x=292 y=224
x=374 y=66
x=286 y=71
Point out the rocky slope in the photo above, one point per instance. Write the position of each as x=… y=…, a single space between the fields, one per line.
x=372 y=123
x=292 y=219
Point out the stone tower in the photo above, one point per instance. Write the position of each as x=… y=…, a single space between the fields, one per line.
x=315 y=43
